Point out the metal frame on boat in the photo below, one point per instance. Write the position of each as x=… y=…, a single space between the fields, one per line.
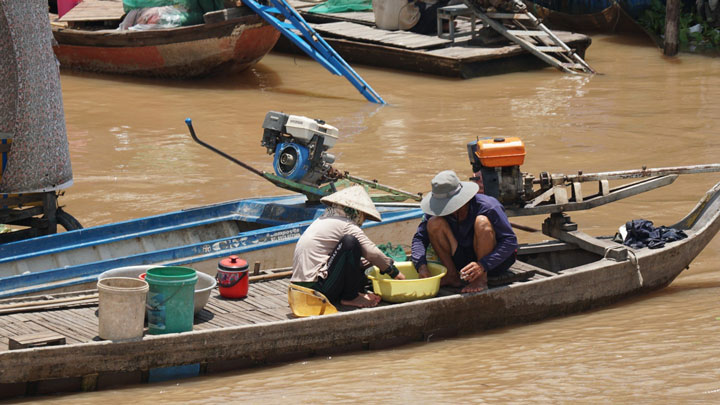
x=568 y=277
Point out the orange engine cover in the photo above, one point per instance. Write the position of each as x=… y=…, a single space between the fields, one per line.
x=501 y=152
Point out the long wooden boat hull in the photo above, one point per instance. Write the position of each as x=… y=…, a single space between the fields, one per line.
x=355 y=38
x=570 y=278
x=184 y=52
x=260 y=230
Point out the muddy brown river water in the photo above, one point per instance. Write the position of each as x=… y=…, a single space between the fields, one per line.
x=132 y=156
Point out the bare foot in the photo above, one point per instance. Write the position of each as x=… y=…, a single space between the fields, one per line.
x=480 y=284
x=363 y=300
x=451 y=279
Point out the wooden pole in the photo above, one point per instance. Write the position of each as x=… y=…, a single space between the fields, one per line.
x=672 y=18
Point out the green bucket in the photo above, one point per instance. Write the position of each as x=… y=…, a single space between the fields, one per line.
x=171 y=299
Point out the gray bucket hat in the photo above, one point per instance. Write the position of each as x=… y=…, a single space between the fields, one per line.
x=354 y=197
x=448 y=194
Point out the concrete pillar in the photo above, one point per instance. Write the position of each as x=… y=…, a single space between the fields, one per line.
x=32 y=118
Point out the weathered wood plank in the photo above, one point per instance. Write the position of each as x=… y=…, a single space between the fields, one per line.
x=210 y=306
x=275 y=301
x=18 y=324
x=59 y=323
x=225 y=321
x=278 y=314
x=46 y=338
x=87 y=318
x=227 y=305
x=13 y=328
x=242 y=318
x=403 y=39
x=95 y=10
x=263 y=289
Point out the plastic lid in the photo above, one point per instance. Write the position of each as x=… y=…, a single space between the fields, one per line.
x=233 y=263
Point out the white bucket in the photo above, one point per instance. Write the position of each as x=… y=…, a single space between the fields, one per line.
x=121 y=310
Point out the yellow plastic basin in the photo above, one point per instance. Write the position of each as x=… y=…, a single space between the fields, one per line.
x=410 y=289
x=308 y=302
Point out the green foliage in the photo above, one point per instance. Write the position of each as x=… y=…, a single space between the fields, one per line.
x=653 y=19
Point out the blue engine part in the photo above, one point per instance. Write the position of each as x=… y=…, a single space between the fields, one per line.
x=292 y=161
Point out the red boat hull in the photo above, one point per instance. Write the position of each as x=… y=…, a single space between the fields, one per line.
x=185 y=52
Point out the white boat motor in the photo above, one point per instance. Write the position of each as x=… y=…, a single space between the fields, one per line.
x=300 y=146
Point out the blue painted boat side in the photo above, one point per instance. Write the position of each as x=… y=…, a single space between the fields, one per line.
x=265 y=211
x=185 y=255
x=243 y=242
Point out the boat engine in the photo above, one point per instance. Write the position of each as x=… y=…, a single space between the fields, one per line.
x=300 y=146
x=496 y=165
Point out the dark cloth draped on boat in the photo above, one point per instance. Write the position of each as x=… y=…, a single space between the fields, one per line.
x=641 y=233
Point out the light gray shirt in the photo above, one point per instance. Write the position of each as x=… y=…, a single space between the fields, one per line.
x=320 y=239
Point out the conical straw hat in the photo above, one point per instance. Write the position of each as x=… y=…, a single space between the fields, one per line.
x=354 y=197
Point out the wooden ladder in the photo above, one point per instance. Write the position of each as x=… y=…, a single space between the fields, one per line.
x=526 y=30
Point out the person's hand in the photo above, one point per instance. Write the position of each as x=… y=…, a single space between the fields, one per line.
x=364 y=263
x=400 y=276
x=471 y=272
x=423 y=271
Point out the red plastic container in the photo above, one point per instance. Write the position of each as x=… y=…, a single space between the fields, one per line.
x=232 y=277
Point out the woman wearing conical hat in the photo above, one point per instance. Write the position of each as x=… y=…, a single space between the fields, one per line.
x=328 y=256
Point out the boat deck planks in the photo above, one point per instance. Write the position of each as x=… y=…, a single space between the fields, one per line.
x=402 y=39
x=95 y=10
x=355 y=38
x=266 y=302
x=467 y=52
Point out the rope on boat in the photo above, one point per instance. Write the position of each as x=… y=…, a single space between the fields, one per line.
x=632 y=257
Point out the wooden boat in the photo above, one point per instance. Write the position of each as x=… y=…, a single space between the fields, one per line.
x=354 y=36
x=566 y=277
x=258 y=229
x=591 y=16
x=229 y=45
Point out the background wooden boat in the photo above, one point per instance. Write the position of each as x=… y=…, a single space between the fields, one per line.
x=185 y=52
x=607 y=16
x=567 y=278
x=258 y=229
x=354 y=36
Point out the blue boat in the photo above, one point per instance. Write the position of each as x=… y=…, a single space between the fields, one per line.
x=606 y=16
x=260 y=230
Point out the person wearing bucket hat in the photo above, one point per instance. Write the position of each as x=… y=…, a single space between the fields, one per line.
x=328 y=256
x=470 y=233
